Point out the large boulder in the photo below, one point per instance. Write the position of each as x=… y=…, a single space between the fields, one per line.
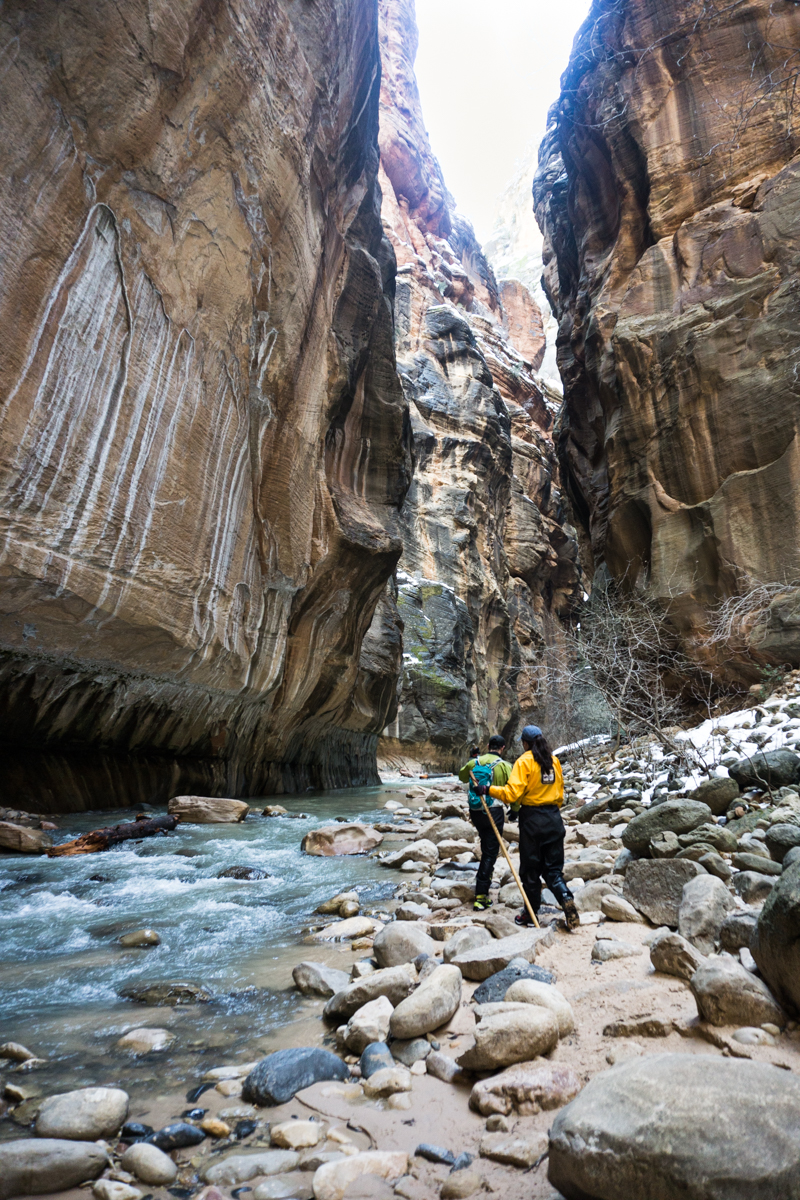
x=333 y=840
x=278 y=1076
x=33 y=1166
x=84 y=1115
x=526 y=1088
x=318 y=979
x=675 y=816
x=466 y=939
x=727 y=994
x=529 y=991
x=394 y=982
x=717 y=794
x=484 y=961
x=23 y=840
x=704 y=906
x=207 y=810
x=433 y=1003
x=776 y=944
x=753 y=886
x=655 y=886
x=512 y=1035
x=401 y=942
x=680 y=1127
x=738 y=930
x=773 y=769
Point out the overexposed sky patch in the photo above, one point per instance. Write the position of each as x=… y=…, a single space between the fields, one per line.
x=488 y=72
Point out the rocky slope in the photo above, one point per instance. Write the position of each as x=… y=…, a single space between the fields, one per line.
x=669 y=192
x=488 y=562
x=202 y=442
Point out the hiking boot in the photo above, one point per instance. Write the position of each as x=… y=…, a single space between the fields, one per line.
x=482 y=903
x=523 y=918
x=572 y=915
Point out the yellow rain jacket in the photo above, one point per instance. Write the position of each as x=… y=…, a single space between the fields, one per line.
x=525 y=785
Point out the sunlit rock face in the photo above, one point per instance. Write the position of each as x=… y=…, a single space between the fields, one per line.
x=669 y=192
x=488 y=564
x=203 y=440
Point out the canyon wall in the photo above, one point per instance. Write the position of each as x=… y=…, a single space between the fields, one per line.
x=203 y=441
x=489 y=564
x=669 y=192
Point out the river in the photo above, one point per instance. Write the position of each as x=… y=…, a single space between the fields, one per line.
x=61 y=967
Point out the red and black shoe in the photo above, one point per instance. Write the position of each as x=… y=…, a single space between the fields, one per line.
x=523 y=918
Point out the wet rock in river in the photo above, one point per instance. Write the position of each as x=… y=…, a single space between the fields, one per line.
x=176 y=1136
x=332 y=840
x=140 y=938
x=207 y=810
x=350 y=929
x=333 y=906
x=278 y=1076
x=145 y=1041
x=84 y=1114
x=172 y=992
x=16 y=1052
x=22 y=839
x=696 y=1126
x=243 y=872
x=33 y=1166
x=149 y=1164
x=318 y=979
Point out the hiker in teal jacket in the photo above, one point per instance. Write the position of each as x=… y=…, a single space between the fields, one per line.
x=489 y=769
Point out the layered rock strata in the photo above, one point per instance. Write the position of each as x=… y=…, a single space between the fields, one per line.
x=669 y=192
x=203 y=441
x=489 y=563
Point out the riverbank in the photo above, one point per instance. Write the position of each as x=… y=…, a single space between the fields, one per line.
x=655 y=974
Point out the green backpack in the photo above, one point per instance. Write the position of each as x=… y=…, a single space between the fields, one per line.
x=481 y=773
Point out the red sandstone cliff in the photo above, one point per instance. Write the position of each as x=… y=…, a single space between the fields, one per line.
x=202 y=440
x=669 y=193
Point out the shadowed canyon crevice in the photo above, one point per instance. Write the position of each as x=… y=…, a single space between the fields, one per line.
x=669 y=192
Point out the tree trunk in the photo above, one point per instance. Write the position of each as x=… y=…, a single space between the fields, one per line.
x=104 y=839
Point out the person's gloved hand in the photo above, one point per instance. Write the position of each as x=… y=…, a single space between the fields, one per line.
x=513 y=812
x=481 y=789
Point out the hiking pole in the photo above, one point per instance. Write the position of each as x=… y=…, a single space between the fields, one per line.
x=507 y=857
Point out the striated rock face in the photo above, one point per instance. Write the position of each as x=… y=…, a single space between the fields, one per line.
x=488 y=562
x=669 y=192
x=203 y=444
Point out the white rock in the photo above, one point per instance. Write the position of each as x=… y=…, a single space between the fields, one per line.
x=146 y=1040
x=704 y=906
x=332 y=1180
x=149 y=1164
x=512 y=1036
x=347 y=930
x=616 y=908
x=606 y=949
x=207 y=810
x=369 y=1024
x=85 y=1114
x=295 y=1135
x=530 y=991
x=318 y=979
x=401 y=942
x=464 y=940
x=432 y=1004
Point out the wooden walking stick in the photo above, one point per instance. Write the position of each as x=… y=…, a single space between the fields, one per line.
x=507 y=857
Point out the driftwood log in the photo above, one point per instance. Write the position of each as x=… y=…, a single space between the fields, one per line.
x=104 y=839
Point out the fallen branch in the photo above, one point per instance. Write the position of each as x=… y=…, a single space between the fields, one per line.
x=104 y=839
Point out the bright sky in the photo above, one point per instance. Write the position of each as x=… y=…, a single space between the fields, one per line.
x=488 y=72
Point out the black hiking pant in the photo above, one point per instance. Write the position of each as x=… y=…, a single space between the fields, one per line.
x=490 y=847
x=541 y=852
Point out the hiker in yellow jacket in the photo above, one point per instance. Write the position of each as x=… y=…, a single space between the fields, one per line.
x=536 y=785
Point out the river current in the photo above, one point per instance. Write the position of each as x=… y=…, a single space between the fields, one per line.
x=62 y=968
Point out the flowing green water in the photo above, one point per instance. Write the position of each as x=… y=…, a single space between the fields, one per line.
x=61 y=967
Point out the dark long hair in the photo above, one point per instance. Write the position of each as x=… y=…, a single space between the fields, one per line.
x=541 y=751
